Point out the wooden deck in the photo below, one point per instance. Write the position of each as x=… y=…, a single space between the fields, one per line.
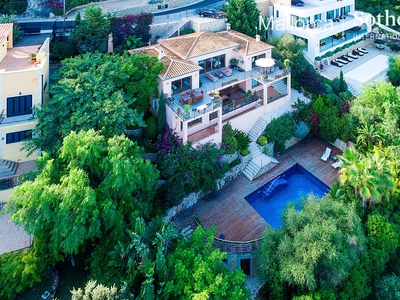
x=229 y=211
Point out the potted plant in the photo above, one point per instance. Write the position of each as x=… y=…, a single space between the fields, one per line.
x=187 y=111
x=233 y=62
x=200 y=83
x=32 y=57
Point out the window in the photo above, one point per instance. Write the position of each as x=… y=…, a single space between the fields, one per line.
x=213 y=115
x=195 y=122
x=15 y=137
x=330 y=15
x=19 y=106
x=213 y=63
x=181 y=85
x=317 y=17
x=277 y=13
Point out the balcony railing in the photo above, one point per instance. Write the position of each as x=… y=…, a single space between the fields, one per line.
x=236 y=104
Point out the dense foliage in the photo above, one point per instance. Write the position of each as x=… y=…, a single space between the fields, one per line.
x=315 y=248
x=96 y=91
x=394 y=70
x=11 y=7
x=197 y=271
x=91 y=33
x=243 y=15
x=17 y=33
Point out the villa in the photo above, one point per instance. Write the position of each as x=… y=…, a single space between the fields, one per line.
x=324 y=25
x=211 y=78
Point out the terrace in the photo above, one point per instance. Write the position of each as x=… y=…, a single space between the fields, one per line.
x=228 y=99
x=233 y=216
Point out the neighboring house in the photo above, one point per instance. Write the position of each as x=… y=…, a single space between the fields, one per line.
x=23 y=83
x=202 y=91
x=324 y=25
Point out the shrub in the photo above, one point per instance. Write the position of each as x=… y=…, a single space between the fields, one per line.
x=245 y=152
x=243 y=139
x=231 y=144
x=150 y=131
x=234 y=163
x=62 y=48
x=301 y=130
x=262 y=140
x=279 y=146
x=336 y=85
x=280 y=129
x=186 y=31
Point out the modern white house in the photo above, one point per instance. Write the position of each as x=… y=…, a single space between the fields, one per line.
x=324 y=25
x=204 y=91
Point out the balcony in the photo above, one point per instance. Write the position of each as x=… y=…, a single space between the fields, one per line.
x=210 y=103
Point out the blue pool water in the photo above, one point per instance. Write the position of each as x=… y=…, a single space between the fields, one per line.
x=290 y=186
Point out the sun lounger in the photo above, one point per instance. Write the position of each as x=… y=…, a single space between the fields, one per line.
x=335 y=63
x=219 y=74
x=226 y=71
x=346 y=58
x=362 y=50
x=211 y=77
x=356 y=52
x=326 y=154
x=342 y=61
x=337 y=164
x=352 y=56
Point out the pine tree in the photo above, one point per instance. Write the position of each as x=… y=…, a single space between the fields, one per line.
x=341 y=82
x=243 y=15
x=161 y=114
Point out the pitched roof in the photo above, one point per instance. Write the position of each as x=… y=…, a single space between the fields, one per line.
x=173 y=65
x=196 y=44
x=4 y=31
x=247 y=44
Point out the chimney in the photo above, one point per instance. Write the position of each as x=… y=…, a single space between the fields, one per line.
x=228 y=26
x=258 y=38
x=160 y=54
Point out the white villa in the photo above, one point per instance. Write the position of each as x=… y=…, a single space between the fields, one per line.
x=323 y=24
x=203 y=92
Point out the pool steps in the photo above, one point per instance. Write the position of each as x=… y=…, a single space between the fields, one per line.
x=267 y=190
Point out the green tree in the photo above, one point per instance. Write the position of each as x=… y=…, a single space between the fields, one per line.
x=379 y=105
x=91 y=34
x=142 y=261
x=280 y=130
x=388 y=288
x=370 y=175
x=243 y=15
x=316 y=247
x=17 y=34
x=96 y=91
x=197 y=271
x=394 y=70
x=92 y=189
x=342 y=87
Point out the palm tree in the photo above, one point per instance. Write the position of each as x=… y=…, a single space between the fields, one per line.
x=369 y=174
x=367 y=137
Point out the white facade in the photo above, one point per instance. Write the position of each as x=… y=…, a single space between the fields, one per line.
x=323 y=24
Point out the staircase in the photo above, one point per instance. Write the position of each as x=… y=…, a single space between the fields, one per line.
x=174 y=28
x=257 y=129
x=352 y=90
x=280 y=86
x=7 y=168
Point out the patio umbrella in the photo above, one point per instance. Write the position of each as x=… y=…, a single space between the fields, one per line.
x=265 y=62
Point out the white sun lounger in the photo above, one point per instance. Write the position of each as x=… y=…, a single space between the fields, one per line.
x=326 y=154
x=337 y=164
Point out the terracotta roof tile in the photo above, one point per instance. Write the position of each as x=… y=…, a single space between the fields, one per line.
x=196 y=44
x=173 y=65
x=247 y=44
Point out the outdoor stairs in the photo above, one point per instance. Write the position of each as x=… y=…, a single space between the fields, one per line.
x=7 y=168
x=270 y=187
x=351 y=89
x=257 y=129
x=281 y=87
x=173 y=29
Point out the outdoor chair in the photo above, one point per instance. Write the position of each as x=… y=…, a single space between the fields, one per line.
x=211 y=77
x=336 y=63
x=326 y=154
x=342 y=61
x=362 y=50
x=352 y=56
x=337 y=164
x=226 y=71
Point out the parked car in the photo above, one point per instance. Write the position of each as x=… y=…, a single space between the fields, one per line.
x=297 y=3
x=210 y=12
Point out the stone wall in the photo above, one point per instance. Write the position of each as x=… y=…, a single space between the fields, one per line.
x=191 y=199
x=155 y=7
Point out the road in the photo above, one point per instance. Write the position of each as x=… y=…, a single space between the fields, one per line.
x=159 y=16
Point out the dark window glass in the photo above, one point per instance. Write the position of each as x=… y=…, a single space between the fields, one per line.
x=19 y=106
x=15 y=137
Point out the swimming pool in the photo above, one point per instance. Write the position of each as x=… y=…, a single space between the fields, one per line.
x=289 y=186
